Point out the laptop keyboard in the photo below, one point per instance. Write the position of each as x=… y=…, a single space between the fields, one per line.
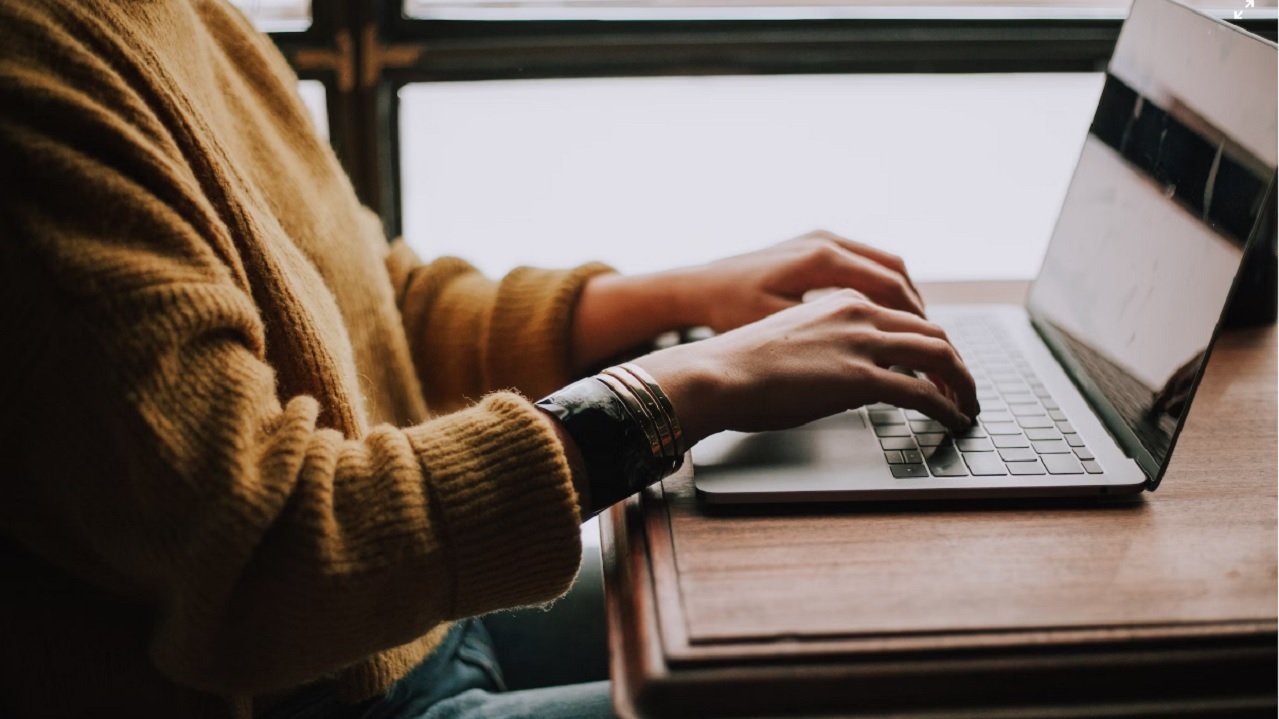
x=1021 y=430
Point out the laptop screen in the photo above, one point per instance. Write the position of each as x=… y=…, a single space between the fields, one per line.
x=1173 y=180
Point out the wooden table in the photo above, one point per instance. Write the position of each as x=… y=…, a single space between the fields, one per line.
x=1161 y=605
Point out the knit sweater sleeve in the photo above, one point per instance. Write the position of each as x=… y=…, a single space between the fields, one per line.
x=149 y=455
x=470 y=335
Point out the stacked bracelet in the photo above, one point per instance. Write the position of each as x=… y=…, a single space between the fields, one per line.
x=625 y=428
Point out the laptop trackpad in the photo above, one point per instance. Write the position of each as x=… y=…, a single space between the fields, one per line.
x=835 y=449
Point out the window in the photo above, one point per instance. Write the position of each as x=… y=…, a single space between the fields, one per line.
x=277 y=15
x=438 y=58
x=315 y=97
x=960 y=174
x=790 y=9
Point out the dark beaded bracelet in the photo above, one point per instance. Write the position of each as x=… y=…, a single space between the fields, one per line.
x=613 y=443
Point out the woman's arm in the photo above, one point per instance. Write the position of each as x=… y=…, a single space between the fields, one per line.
x=469 y=335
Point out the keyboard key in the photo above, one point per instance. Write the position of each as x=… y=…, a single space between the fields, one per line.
x=912 y=456
x=1074 y=440
x=902 y=471
x=915 y=415
x=930 y=439
x=998 y=415
x=1057 y=415
x=897 y=443
x=1092 y=467
x=1018 y=454
x=1034 y=422
x=1052 y=447
x=1002 y=428
x=984 y=464
x=1010 y=440
x=927 y=425
x=972 y=432
x=994 y=405
x=892 y=430
x=1006 y=387
x=1084 y=453
x=1025 y=410
x=1020 y=398
x=946 y=462
x=879 y=417
x=1024 y=468
x=1065 y=428
x=1042 y=433
x=974 y=445
x=987 y=394
x=1062 y=464
x=880 y=407
x=894 y=457
x=1050 y=403
x=1041 y=391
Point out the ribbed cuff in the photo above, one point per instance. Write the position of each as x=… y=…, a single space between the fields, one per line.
x=504 y=496
x=376 y=674
x=530 y=335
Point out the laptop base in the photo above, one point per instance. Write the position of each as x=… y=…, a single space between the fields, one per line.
x=843 y=458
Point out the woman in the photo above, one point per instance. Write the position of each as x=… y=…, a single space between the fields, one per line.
x=224 y=492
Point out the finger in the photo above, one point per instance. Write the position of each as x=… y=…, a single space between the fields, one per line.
x=891 y=320
x=941 y=385
x=905 y=322
x=887 y=259
x=920 y=395
x=845 y=269
x=934 y=357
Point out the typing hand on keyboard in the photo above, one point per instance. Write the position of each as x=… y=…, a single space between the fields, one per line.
x=1021 y=430
x=814 y=360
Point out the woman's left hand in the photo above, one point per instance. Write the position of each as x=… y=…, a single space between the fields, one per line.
x=617 y=312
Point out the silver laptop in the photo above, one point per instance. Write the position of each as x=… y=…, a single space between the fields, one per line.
x=1085 y=388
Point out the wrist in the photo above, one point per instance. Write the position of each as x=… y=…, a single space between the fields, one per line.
x=618 y=312
x=682 y=294
x=695 y=385
x=617 y=435
x=670 y=299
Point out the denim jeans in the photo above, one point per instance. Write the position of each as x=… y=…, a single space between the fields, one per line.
x=464 y=678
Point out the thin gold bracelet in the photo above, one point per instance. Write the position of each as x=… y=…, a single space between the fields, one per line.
x=637 y=411
x=641 y=392
x=677 y=432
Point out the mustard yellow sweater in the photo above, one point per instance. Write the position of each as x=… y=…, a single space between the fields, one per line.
x=219 y=480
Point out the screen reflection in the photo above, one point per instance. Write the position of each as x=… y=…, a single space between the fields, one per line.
x=1171 y=180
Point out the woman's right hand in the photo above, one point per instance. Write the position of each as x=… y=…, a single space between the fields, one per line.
x=810 y=361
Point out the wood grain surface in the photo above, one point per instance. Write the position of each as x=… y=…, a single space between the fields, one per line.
x=733 y=610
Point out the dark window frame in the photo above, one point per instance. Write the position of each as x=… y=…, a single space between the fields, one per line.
x=365 y=51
